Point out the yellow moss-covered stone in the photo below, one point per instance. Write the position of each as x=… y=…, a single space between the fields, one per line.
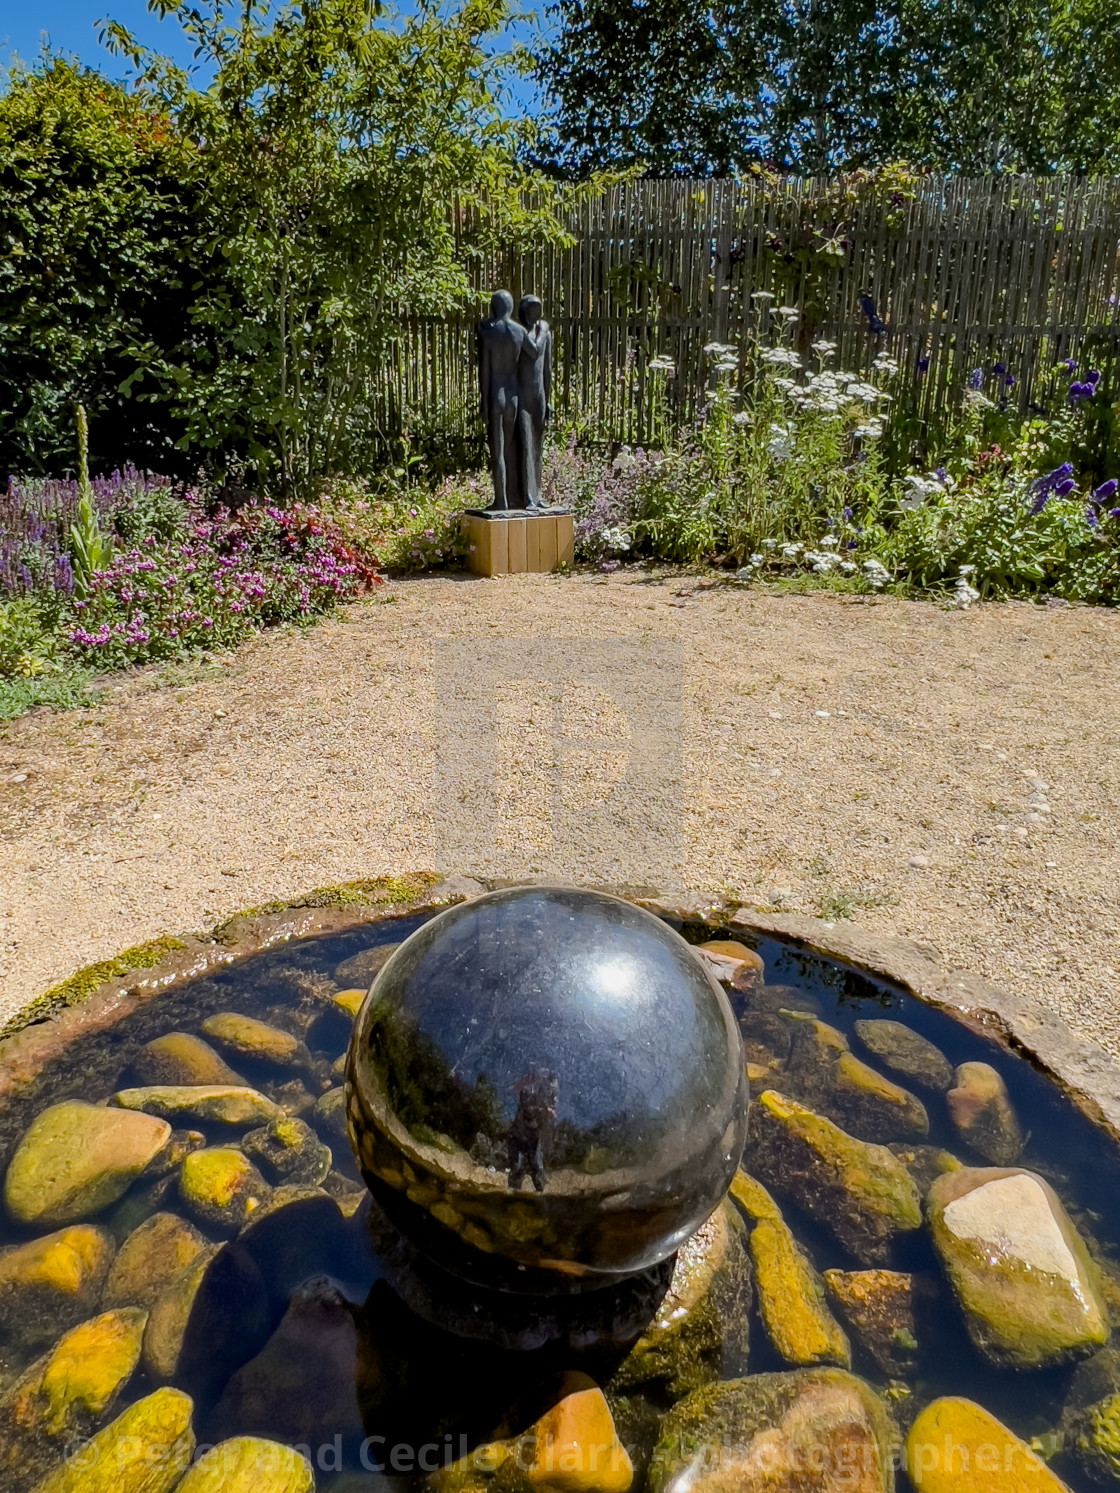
x=221 y=1187
x=859 y=1190
x=878 y=1307
x=150 y=1258
x=732 y=962
x=75 y=1159
x=956 y=1446
x=167 y=1322
x=349 y=1002
x=58 y=1277
x=66 y=1395
x=247 y=1464
x=246 y=1037
x=873 y=1105
x=147 y=1449
x=201 y=1104
x=753 y=1198
x=181 y=1058
x=981 y=1109
x=791 y=1300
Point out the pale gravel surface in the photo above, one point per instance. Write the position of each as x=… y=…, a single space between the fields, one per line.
x=311 y=758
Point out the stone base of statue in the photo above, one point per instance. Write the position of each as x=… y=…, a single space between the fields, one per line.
x=517 y=541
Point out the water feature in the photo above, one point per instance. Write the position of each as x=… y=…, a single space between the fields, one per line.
x=891 y=1248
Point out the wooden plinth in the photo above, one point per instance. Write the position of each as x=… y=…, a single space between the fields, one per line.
x=516 y=543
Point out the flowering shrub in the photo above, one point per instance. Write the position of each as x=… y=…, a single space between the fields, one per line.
x=218 y=578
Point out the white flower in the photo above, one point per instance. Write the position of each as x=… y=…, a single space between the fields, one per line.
x=829 y=543
x=965 y=595
x=821 y=561
x=769 y=544
x=781 y=357
x=727 y=365
x=624 y=460
x=787 y=313
x=662 y=365
x=966 y=569
x=791 y=551
x=742 y=418
x=763 y=295
x=718 y=349
x=615 y=539
x=877 y=574
x=745 y=573
x=757 y=559
x=847 y=567
x=883 y=364
x=788 y=386
x=823 y=348
x=871 y=431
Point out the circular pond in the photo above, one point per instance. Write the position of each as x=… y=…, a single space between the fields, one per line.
x=912 y=1280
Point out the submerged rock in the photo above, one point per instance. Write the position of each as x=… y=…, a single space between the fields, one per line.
x=1091 y=1423
x=573 y=1447
x=981 y=1110
x=1019 y=1269
x=66 y=1396
x=299 y=1232
x=878 y=1308
x=204 y=1104
x=302 y=1387
x=823 y=1072
x=789 y=1292
x=245 y=1464
x=147 y=1449
x=349 y=1002
x=926 y=1163
x=956 y=1446
x=766 y=1038
x=208 y=1322
x=362 y=969
x=76 y=1159
x=150 y=1259
x=822 y=1430
x=904 y=1052
x=329 y=1120
x=221 y=1187
x=180 y=1058
x=732 y=963
x=288 y=1151
x=860 y=1191
x=52 y=1283
x=247 y=1038
x=701 y=1328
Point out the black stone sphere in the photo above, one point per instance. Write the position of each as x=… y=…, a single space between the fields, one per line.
x=546 y=1090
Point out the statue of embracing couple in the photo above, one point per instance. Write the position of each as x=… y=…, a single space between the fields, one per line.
x=515 y=379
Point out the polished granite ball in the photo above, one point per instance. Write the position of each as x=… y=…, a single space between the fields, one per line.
x=545 y=1090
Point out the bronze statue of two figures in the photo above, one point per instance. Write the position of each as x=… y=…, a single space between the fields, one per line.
x=515 y=376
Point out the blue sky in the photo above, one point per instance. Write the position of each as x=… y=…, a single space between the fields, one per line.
x=72 y=26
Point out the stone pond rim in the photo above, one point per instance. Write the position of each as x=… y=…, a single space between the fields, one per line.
x=1082 y=1071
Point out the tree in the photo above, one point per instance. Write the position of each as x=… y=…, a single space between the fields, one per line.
x=815 y=86
x=342 y=147
x=99 y=223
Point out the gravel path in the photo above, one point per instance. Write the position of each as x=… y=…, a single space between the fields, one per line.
x=952 y=777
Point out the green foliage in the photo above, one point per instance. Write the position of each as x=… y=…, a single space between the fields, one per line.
x=1003 y=86
x=26 y=644
x=341 y=141
x=99 y=225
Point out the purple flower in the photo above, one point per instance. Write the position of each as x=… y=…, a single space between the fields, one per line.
x=1080 y=392
x=942 y=475
x=999 y=369
x=1114 y=513
x=1091 y=517
x=1093 y=377
x=1064 y=489
x=1069 y=365
x=976 y=378
x=1009 y=381
x=923 y=363
x=847 y=515
x=1105 y=491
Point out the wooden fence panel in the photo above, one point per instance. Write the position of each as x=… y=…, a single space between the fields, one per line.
x=966 y=274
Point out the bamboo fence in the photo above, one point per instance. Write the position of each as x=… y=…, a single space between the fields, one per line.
x=961 y=273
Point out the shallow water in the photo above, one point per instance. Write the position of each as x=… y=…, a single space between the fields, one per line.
x=412 y=1383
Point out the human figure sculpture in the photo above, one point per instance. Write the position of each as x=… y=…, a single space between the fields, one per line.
x=499 y=341
x=534 y=386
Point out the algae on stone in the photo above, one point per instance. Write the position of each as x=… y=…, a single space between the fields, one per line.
x=147 y=1449
x=701 y=1327
x=807 y=1431
x=212 y=1319
x=182 y=1058
x=823 y=1072
x=288 y=1150
x=204 y=1104
x=858 y=1190
x=66 y=1395
x=246 y=1464
x=53 y=1282
x=1020 y=1271
x=150 y=1259
x=221 y=1187
x=75 y=1159
x=878 y=1308
x=788 y=1290
x=249 y=1039
x=981 y=1109
x=903 y=1051
x=956 y=1446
